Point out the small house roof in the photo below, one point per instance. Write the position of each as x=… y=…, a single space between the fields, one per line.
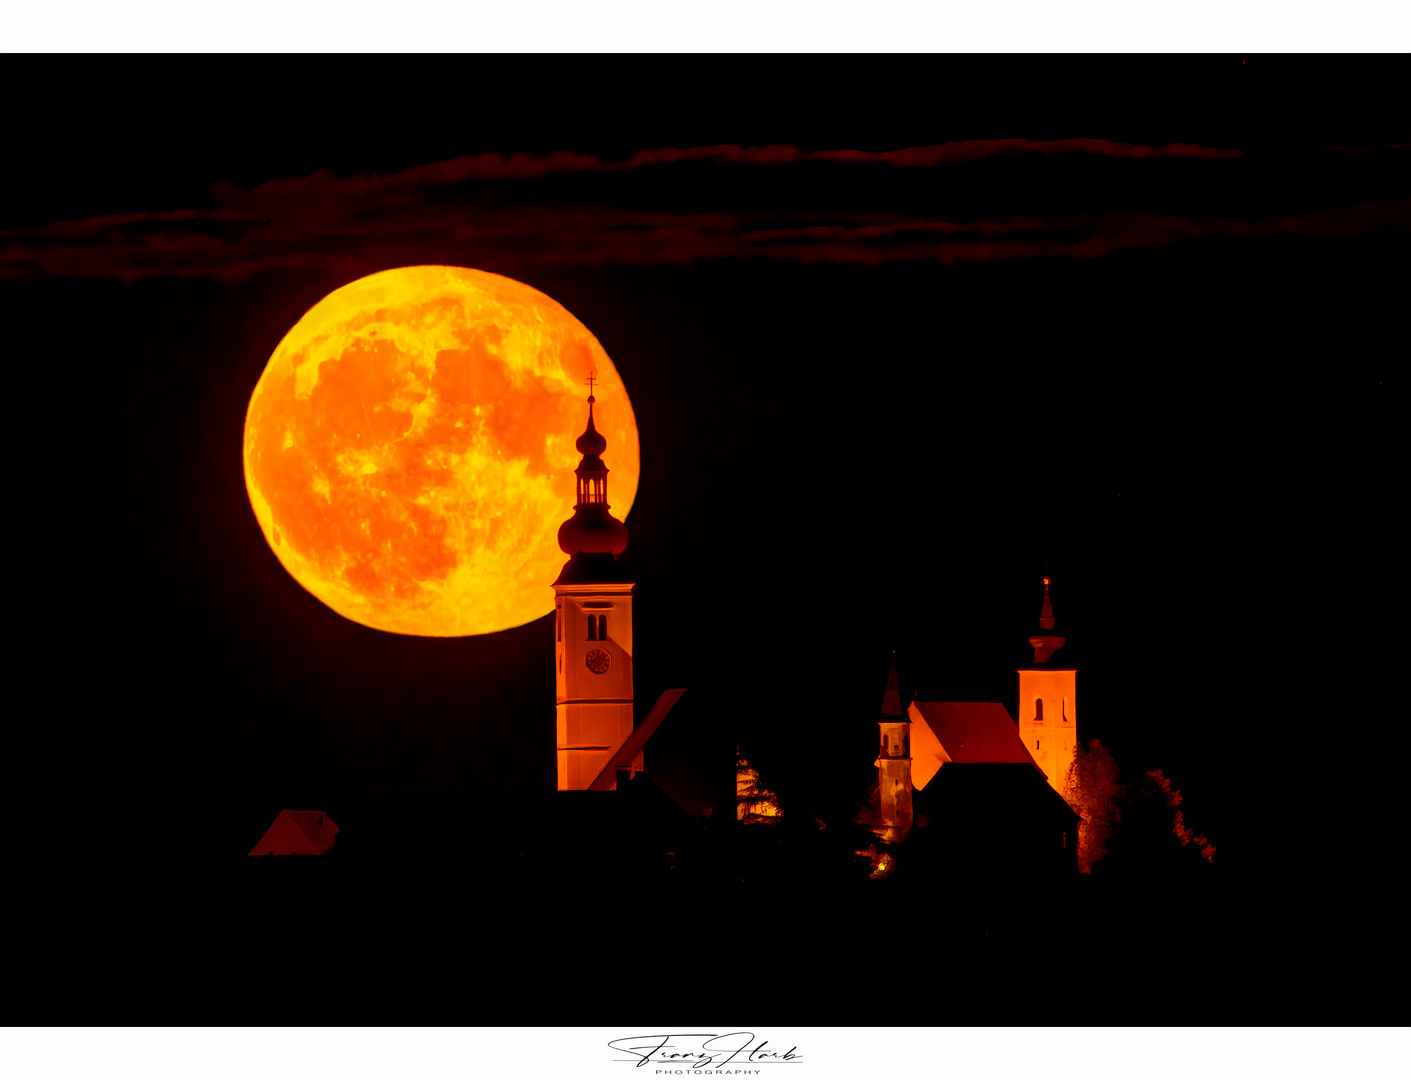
x=297 y=832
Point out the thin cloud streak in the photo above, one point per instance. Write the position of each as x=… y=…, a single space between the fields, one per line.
x=495 y=166
x=432 y=213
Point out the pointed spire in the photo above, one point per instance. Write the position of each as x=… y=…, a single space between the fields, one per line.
x=1045 y=643
x=891 y=698
x=1046 y=614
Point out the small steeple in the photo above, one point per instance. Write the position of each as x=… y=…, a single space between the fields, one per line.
x=1046 y=614
x=1047 y=643
x=892 y=705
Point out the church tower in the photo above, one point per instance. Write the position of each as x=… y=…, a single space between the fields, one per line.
x=894 y=761
x=1048 y=703
x=592 y=626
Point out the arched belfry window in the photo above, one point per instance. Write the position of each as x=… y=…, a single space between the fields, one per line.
x=592 y=489
x=1065 y=710
x=592 y=628
x=602 y=627
x=1038 y=710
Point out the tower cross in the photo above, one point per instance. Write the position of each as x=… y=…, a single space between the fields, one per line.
x=592 y=377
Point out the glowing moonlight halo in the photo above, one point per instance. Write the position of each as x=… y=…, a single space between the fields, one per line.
x=409 y=448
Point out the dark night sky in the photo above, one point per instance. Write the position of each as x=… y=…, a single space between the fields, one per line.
x=904 y=382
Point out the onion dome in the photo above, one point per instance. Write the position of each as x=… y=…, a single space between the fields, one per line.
x=591 y=443
x=592 y=530
x=592 y=534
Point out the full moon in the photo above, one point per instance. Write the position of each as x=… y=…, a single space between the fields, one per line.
x=409 y=448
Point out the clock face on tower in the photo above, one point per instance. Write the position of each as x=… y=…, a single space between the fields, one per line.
x=597 y=660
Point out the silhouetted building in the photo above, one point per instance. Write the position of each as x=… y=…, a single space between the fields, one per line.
x=998 y=822
x=549 y=836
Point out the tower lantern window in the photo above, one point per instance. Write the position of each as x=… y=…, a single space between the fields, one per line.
x=592 y=489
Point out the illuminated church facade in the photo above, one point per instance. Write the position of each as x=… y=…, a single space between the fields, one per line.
x=920 y=739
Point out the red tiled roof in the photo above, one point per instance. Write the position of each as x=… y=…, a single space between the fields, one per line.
x=297 y=832
x=963 y=732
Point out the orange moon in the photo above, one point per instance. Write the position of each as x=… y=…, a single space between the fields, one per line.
x=409 y=448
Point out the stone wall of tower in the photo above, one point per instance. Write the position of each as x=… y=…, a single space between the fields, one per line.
x=894 y=778
x=592 y=679
x=1048 y=720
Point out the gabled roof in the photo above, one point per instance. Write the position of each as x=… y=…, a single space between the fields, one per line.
x=297 y=832
x=637 y=741
x=966 y=732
